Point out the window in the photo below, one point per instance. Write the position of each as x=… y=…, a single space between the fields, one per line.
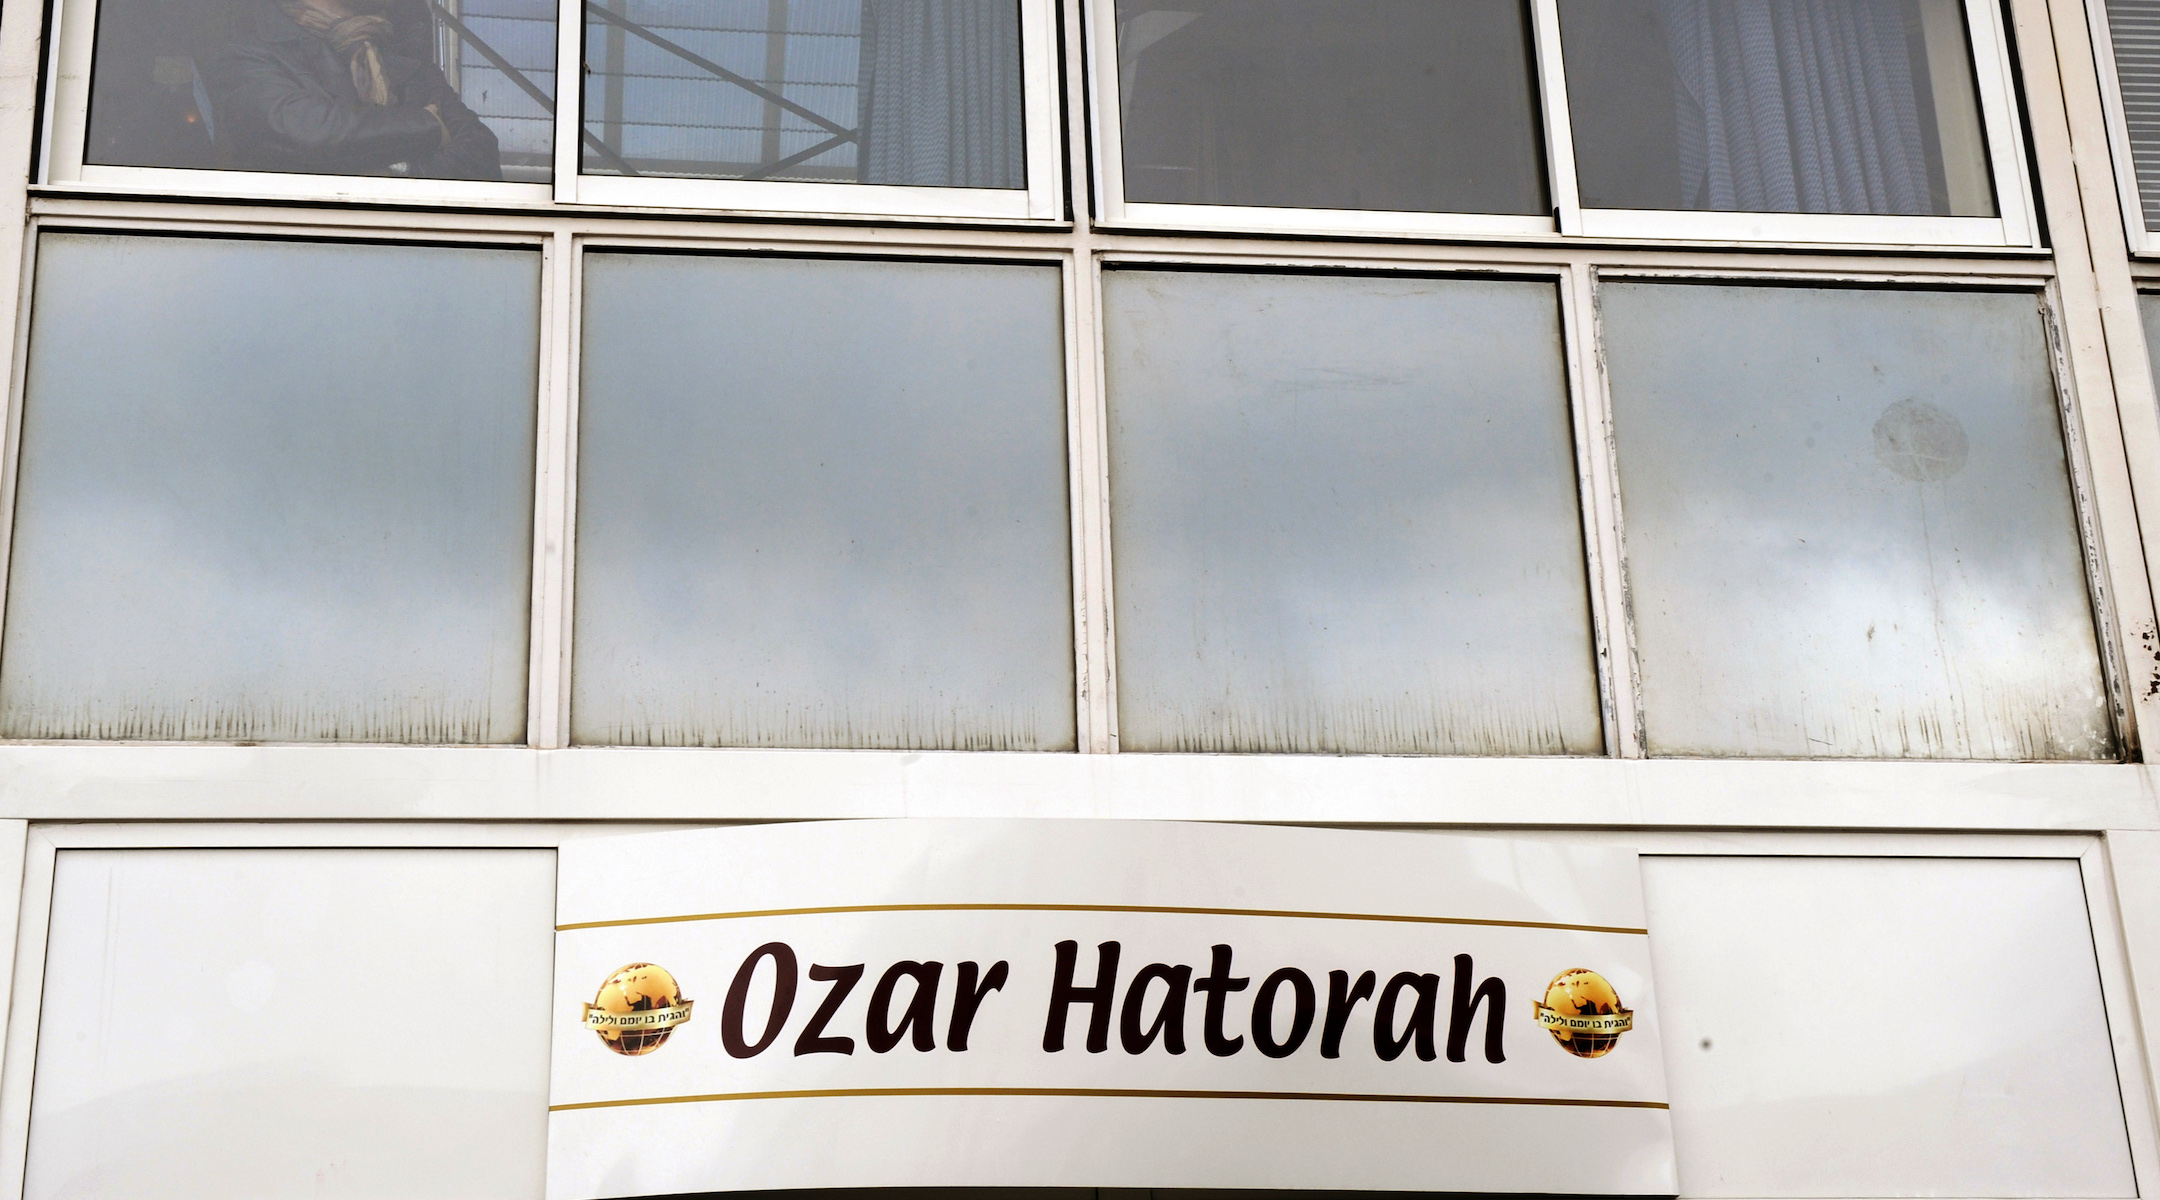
x=822 y=503
x=437 y=97
x=1362 y=410
x=926 y=107
x=922 y=92
x=1863 y=108
x=1392 y=105
x=274 y=491
x=2149 y=318
x=2132 y=29
x=1849 y=526
x=1835 y=121
x=1344 y=517
x=907 y=107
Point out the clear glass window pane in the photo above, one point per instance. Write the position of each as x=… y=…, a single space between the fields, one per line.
x=822 y=503
x=274 y=492
x=1345 y=517
x=1800 y=106
x=920 y=92
x=2134 y=25
x=1397 y=105
x=1849 y=525
x=427 y=89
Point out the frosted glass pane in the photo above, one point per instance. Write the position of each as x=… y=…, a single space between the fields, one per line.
x=1345 y=517
x=822 y=503
x=294 y=1023
x=1884 y=1027
x=1849 y=525
x=274 y=491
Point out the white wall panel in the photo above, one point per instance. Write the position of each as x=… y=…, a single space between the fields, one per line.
x=1884 y=1027
x=271 y=1023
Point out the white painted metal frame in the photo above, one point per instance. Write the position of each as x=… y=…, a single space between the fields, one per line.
x=68 y=100
x=2014 y=228
x=29 y=854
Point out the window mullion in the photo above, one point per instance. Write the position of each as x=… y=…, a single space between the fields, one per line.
x=1093 y=639
x=1619 y=680
x=547 y=718
x=569 y=97
x=1559 y=132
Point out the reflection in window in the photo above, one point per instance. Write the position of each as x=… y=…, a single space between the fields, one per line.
x=1345 y=517
x=297 y=508
x=1849 y=525
x=921 y=92
x=822 y=504
x=2134 y=26
x=1397 y=105
x=2149 y=313
x=1799 y=106
x=435 y=89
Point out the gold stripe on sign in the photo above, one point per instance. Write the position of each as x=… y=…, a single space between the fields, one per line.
x=1104 y=908
x=1116 y=1093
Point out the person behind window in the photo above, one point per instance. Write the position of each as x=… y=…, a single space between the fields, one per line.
x=346 y=87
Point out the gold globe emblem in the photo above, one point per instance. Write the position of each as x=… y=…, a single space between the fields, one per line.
x=1583 y=1013
x=636 y=1010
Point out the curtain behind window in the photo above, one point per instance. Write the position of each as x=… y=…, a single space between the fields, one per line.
x=940 y=98
x=1797 y=106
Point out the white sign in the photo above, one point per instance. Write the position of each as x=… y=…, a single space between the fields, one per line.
x=1101 y=1004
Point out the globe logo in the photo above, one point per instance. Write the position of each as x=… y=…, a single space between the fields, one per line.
x=636 y=1010
x=1583 y=1013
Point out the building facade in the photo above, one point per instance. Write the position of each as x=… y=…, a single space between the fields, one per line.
x=441 y=429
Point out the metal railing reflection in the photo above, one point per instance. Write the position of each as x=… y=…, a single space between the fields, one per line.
x=841 y=134
x=524 y=82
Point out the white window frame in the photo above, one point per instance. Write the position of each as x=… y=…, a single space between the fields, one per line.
x=67 y=105
x=2014 y=227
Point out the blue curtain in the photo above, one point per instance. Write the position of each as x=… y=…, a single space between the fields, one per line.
x=940 y=97
x=1797 y=106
